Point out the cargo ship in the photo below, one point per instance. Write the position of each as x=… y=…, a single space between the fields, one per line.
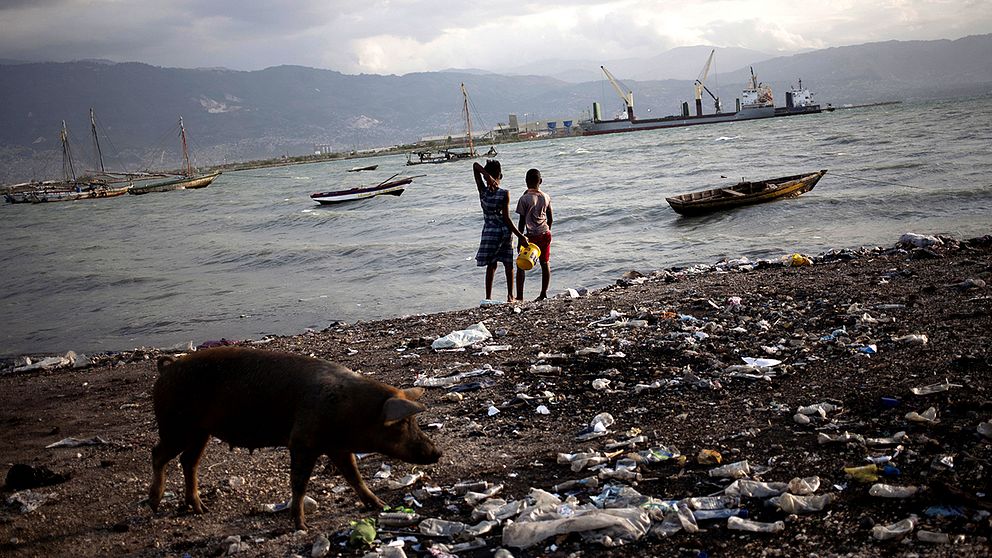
x=756 y=102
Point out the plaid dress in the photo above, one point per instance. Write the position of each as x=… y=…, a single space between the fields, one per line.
x=495 y=245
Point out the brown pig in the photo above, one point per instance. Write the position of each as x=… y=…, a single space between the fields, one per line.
x=252 y=398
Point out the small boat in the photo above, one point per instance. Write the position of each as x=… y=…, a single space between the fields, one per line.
x=359 y=169
x=391 y=187
x=446 y=155
x=744 y=193
x=187 y=179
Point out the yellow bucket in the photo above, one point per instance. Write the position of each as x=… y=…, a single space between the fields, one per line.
x=528 y=256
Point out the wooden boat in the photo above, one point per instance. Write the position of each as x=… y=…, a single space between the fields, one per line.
x=360 y=169
x=445 y=155
x=187 y=179
x=744 y=193
x=71 y=187
x=391 y=187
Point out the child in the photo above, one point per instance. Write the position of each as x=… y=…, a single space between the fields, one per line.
x=534 y=208
x=495 y=246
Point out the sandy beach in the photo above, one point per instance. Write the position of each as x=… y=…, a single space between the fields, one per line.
x=876 y=360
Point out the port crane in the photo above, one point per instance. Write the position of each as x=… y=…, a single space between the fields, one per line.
x=701 y=86
x=628 y=97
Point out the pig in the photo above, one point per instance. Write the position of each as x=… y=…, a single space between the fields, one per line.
x=254 y=398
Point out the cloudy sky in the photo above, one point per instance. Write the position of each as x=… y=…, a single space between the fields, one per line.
x=402 y=36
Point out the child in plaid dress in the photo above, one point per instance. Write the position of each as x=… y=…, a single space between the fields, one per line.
x=497 y=228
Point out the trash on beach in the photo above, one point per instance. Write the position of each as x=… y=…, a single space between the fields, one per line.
x=892 y=491
x=937 y=537
x=934 y=388
x=791 y=503
x=463 y=338
x=919 y=240
x=985 y=429
x=736 y=470
x=78 y=442
x=446 y=381
x=709 y=457
x=407 y=480
x=762 y=362
x=804 y=486
x=797 y=260
x=741 y=524
x=926 y=417
x=865 y=473
x=844 y=437
x=363 y=533
x=897 y=438
x=26 y=501
x=598 y=427
x=309 y=506
x=913 y=339
x=49 y=363
x=897 y=530
x=609 y=527
x=472 y=498
x=868 y=349
x=746 y=488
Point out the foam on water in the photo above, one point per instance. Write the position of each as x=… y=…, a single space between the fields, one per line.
x=253 y=255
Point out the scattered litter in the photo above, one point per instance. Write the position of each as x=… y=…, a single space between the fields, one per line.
x=913 y=339
x=892 y=491
x=78 y=442
x=26 y=501
x=736 y=470
x=597 y=427
x=463 y=338
x=406 y=481
x=926 y=417
x=762 y=362
x=897 y=530
x=741 y=524
x=934 y=388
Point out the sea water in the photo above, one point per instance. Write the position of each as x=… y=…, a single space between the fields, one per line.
x=252 y=254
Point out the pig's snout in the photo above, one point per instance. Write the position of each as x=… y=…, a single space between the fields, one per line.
x=424 y=452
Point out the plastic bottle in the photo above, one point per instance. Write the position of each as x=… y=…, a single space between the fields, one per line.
x=476 y=486
x=740 y=524
x=897 y=530
x=589 y=482
x=713 y=502
x=933 y=537
x=706 y=515
x=732 y=470
x=747 y=488
x=891 y=491
x=790 y=503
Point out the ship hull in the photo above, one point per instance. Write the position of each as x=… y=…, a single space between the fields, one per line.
x=624 y=125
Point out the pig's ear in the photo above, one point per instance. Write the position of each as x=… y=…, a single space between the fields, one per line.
x=397 y=409
x=413 y=394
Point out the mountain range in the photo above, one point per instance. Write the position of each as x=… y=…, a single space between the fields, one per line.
x=287 y=110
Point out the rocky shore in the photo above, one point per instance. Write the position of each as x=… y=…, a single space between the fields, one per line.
x=839 y=403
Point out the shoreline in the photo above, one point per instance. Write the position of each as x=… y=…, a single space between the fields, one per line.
x=856 y=337
x=738 y=264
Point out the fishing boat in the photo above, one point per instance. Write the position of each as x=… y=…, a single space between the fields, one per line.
x=365 y=168
x=744 y=193
x=71 y=187
x=187 y=179
x=391 y=187
x=446 y=155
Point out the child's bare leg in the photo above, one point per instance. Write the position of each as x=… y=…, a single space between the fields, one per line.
x=545 y=280
x=521 y=275
x=508 y=271
x=490 y=274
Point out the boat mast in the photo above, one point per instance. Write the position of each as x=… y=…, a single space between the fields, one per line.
x=187 y=169
x=468 y=123
x=68 y=172
x=96 y=142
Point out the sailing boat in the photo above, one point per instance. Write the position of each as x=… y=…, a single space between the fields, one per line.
x=187 y=178
x=447 y=154
x=71 y=187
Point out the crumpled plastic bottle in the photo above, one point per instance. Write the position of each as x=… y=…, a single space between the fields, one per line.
x=891 y=491
x=896 y=530
x=740 y=524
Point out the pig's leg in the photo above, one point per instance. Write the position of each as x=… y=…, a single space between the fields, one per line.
x=345 y=463
x=162 y=454
x=301 y=464
x=190 y=459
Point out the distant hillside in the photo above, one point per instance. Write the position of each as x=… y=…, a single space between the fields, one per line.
x=234 y=115
x=682 y=63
